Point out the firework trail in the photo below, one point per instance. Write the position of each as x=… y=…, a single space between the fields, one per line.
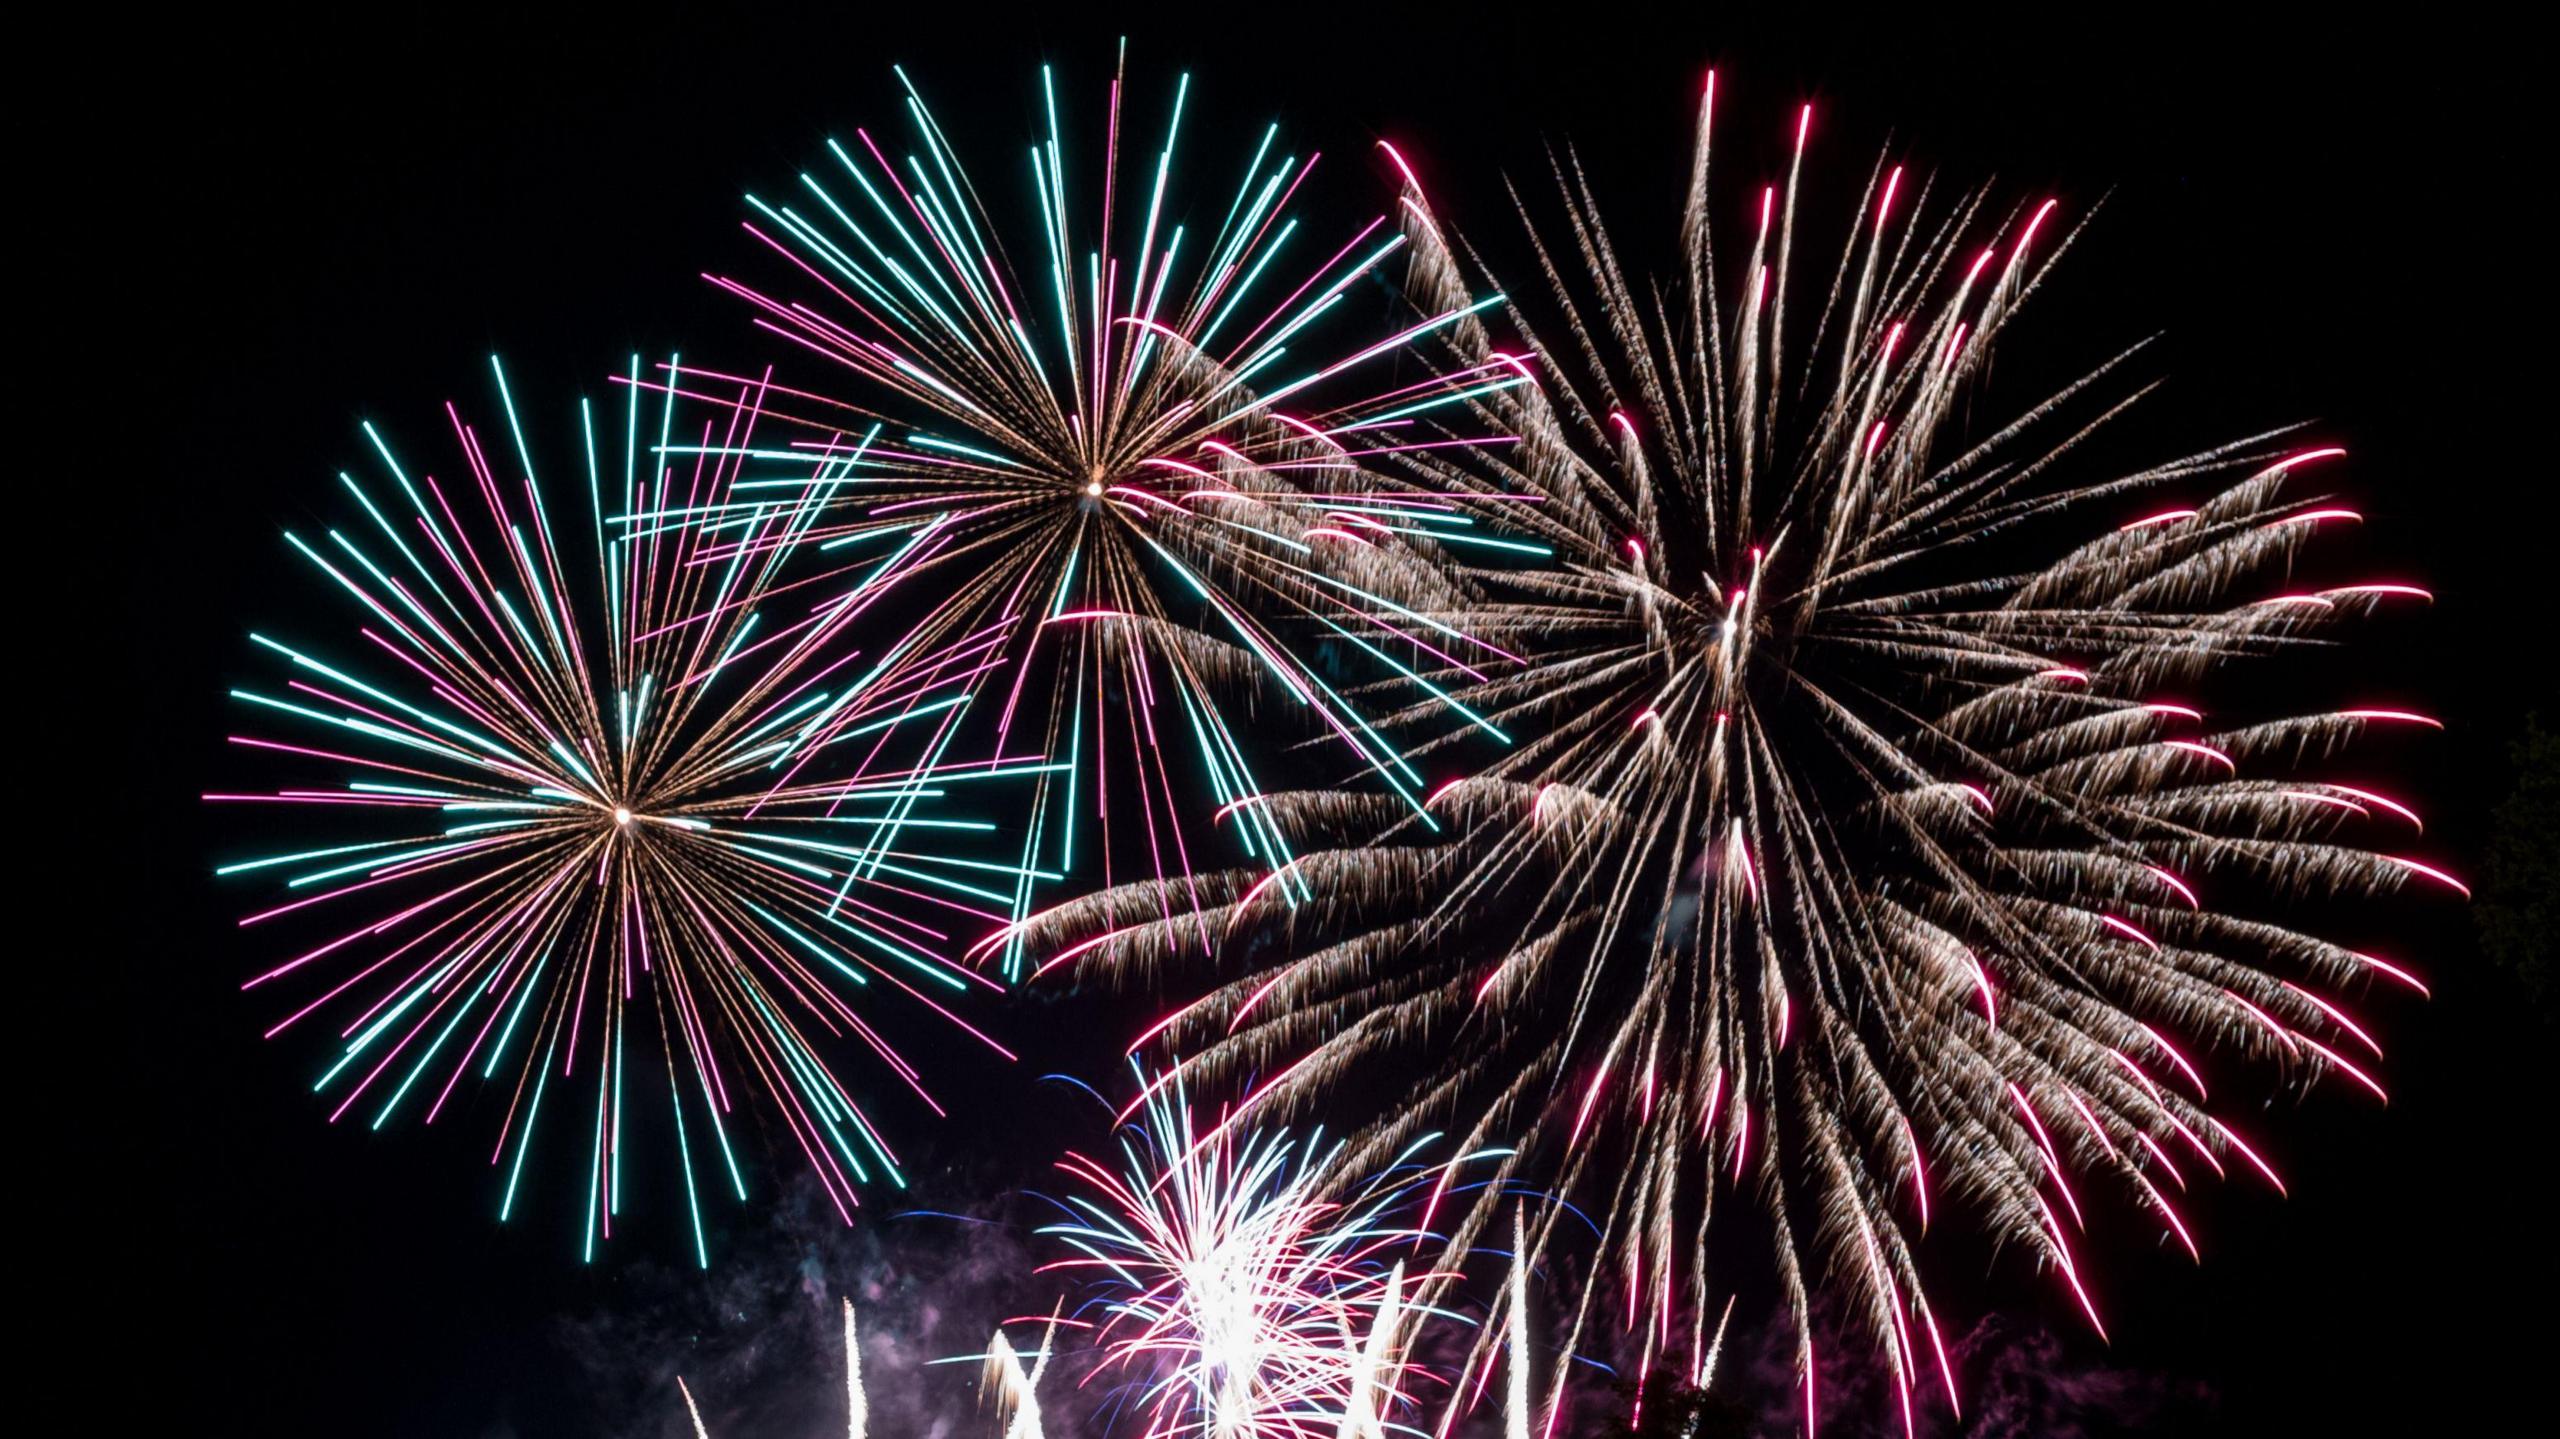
x=1016 y=1395
x=586 y=855
x=1251 y=1287
x=1017 y=1389
x=1869 y=845
x=1516 y=1377
x=857 y=1406
x=1369 y=1388
x=1131 y=452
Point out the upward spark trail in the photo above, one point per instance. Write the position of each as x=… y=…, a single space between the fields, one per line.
x=1014 y=1387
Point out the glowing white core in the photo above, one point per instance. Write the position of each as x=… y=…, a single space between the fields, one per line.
x=621 y=815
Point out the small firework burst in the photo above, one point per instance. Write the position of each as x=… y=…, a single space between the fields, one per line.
x=1251 y=1285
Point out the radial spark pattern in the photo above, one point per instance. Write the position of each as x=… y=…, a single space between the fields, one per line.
x=1891 y=825
x=1252 y=1285
x=1131 y=450
x=585 y=854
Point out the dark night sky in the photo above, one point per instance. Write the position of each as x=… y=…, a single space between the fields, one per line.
x=286 y=228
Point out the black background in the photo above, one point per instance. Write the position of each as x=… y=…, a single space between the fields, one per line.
x=277 y=228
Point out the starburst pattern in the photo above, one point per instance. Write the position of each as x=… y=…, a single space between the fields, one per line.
x=1873 y=842
x=1251 y=1285
x=1130 y=463
x=586 y=842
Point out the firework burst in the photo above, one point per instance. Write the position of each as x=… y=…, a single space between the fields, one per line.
x=1873 y=844
x=1254 y=1286
x=1138 y=461
x=585 y=848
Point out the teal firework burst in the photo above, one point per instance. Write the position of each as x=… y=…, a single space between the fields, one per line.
x=1148 y=443
x=619 y=825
